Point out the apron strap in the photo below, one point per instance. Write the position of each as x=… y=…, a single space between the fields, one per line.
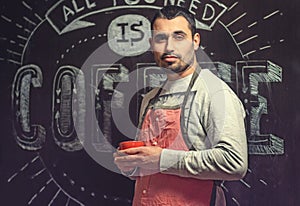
x=150 y=103
x=182 y=116
x=182 y=122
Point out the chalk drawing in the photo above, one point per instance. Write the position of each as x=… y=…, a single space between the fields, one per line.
x=105 y=77
x=235 y=20
x=149 y=76
x=68 y=92
x=28 y=136
x=222 y=70
x=128 y=35
x=253 y=73
x=71 y=48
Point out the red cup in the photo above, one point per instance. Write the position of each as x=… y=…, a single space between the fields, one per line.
x=130 y=144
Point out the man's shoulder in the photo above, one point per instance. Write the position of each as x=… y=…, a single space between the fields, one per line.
x=211 y=82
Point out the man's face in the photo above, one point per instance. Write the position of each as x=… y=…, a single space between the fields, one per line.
x=173 y=44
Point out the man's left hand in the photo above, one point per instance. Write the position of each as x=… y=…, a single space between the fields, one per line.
x=146 y=157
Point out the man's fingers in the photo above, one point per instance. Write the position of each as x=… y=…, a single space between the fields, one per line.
x=119 y=153
x=124 y=162
x=132 y=151
x=127 y=158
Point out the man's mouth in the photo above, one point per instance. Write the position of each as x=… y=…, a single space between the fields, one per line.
x=169 y=58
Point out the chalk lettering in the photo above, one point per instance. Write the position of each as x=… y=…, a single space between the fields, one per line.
x=106 y=98
x=77 y=10
x=68 y=108
x=150 y=1
x=171 y=2
x=132 y=2
x=180 y=3
x=90 y=5
x=128 y=35
x=63 y=15
x=67 y=11
x=123 y=29
x=193 y=6
x=69 y=101
x=209 y=12
x=28 y=136
x=250 y=74
x=133 y=27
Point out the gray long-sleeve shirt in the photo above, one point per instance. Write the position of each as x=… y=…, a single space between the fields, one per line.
x=214 y=118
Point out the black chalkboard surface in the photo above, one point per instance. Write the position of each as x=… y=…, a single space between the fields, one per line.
x=73 y=73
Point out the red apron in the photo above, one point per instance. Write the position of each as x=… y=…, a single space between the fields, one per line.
x=161 y=127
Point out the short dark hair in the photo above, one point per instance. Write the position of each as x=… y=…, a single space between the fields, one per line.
x=171 y=12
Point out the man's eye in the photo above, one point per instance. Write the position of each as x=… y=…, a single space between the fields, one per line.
x=179 y=37
x=160 y=38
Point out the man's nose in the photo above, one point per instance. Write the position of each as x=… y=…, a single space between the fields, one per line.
x=170 y=45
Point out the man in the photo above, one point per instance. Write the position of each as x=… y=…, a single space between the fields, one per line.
x=193 y=126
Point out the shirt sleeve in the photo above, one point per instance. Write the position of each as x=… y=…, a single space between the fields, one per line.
x=226 y=159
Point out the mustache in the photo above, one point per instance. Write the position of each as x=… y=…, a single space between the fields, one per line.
x=164 y=55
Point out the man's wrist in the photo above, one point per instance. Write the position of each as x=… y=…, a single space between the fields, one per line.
x=170 y=159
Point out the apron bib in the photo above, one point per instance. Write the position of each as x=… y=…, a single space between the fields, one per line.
x=162 y=127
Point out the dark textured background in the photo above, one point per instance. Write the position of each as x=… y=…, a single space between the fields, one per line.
x=77 y=177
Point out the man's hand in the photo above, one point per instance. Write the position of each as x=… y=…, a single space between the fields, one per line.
x=146 y=158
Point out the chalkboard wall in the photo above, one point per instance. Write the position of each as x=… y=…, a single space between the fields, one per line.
x=73 y=74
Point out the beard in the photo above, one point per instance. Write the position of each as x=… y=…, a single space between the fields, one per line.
x=181 y=66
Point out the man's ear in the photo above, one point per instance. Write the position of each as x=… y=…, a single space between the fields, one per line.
x=196 y=41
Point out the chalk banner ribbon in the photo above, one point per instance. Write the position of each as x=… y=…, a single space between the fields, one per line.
x=67 y=15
